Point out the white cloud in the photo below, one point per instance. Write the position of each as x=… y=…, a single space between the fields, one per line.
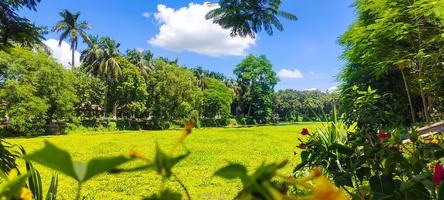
x=186 y=29
x=147 y=14
x=292 y=74
x=332 y=89
x=311 y=89
x=62 y=53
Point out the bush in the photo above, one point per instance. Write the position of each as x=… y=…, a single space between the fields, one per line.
x=214 y=122
x=241 y=121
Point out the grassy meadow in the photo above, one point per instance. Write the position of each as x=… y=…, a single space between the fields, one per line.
x=211 y=148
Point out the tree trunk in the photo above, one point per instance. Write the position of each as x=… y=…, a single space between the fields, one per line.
x=412 y=111
x=72 y=61
x=115 y=111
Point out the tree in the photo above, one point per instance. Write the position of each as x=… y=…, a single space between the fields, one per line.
x=128 y=93
x=101 y=60
x=256 y=80
x=293 y=105
x=71 y=29
x=91 y=93
x=395 y=42
x=248 y=17
x=142 y=59
x=36 y=90
x=174 y=96
x=15 y=29
x=217 y=99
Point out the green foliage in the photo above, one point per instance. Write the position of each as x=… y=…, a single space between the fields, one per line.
x=257 y=185
x=18 y=30
x=395 y=46
x=248 y=17
x=128 y=93
x=371 y=162
x=173 y=95
x=36 y=90
x=369 y=109
x=217 y=99
x=291 y=105
x=256 y=81
x=100 y=58
x=60 y=160
x=90 y=92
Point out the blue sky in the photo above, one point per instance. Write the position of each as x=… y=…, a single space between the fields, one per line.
x=305 y=54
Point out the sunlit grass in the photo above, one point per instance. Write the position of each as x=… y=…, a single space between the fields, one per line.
x=211 y=148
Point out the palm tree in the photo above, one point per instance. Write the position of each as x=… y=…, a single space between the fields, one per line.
x=248 y=17
x=142 y=59
x=71 y=29
x=101 y=60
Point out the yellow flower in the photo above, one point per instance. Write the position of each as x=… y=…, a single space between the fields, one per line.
x=12 y=174
x=325 y=190
x=25 y=194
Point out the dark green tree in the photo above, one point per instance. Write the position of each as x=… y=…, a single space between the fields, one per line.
x=248 y=17
x=256 y=80
x=217 y=99
x=15 y=29
x=396 y=48
x=36 y=91
x=174 y=96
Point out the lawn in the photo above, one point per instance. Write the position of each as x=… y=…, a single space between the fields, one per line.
x=211 y=148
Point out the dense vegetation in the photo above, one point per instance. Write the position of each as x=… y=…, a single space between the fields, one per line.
x=392 y=83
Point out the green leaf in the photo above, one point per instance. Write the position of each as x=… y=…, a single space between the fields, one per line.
x=232 y=171
x=54 y=158
x=343 y=179
x=382 y=185
x=60 y=160
x=52 y=191
x=34 y=181
x=100 y=165
x=441 y=191
x=342 y=149
x=165 y=163
x=363 y=172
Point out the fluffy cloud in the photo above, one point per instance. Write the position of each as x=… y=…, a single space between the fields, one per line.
x=292 y=74
x=332 y=89
x=62 y=53
x=186 y=29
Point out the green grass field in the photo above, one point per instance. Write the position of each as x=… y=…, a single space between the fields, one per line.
x=210 y=149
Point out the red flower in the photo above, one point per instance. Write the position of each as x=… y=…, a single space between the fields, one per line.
x=438 y=175
x=305 y=131
x=383 y=135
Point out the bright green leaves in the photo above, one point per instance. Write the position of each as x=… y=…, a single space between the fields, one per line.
x=257 y=185
x=232 y=171
x=60 y=160
x=164 y=163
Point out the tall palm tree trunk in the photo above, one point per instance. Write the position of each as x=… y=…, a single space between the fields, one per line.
x=72 y=61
